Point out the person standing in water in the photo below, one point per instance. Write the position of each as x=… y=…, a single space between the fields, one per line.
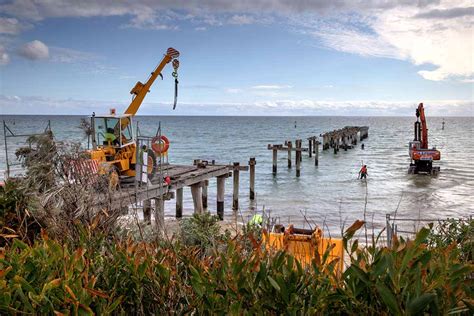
x=363 y=172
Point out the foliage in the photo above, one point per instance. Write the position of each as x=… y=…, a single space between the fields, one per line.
x=102 y=275
x=60 y=194
x=201 y=230
x=408 y=278
x=16 y=221
x=458 y=231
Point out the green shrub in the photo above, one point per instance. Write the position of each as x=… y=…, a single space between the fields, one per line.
x=100 y=275
x=454 y=231
x=201 y=230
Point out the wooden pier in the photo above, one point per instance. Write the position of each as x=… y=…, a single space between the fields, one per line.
x=196 y=177
x=313 y=147
x=344 y=138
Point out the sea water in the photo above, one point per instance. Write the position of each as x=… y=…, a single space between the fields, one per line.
x=329 y=194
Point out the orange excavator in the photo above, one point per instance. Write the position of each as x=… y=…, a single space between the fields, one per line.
x=421 y=156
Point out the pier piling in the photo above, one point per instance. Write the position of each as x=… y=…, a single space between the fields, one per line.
x=298 y=157
x=275 y=157
x=252 y=163
x=179 y=203
x=205 y=184
x=147 y=211
x=235 y=196
x=160 y=214
x=220 y=196
x=197 y=198
x=289 y=145
x=316 y=152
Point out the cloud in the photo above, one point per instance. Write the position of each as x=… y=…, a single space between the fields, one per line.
x=43 y=105
x=272 y=87
x=439 y=43
x=233 y=90
x=242 y=19
x=446 y=14
x=35 y=50
x=68 y=56
x=10 y=26
x=4 y=57
x=435 y=35
x=446 y=44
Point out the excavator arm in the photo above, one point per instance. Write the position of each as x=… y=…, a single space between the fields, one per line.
x=140 y=90
x=420 y=112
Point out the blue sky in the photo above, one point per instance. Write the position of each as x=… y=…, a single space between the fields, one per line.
x=238 y=58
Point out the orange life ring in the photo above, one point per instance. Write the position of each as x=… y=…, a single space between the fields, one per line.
x=158 y=147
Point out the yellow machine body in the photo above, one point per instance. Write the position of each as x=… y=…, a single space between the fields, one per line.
x=113 y=141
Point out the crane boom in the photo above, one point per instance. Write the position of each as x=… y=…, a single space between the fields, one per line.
x=140 y=90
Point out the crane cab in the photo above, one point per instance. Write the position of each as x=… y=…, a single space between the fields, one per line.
x=113 y=143
x=112 y=131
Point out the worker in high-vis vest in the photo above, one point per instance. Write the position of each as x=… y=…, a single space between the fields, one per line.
x=257 y=220
x=363 y=172
x=110 y=137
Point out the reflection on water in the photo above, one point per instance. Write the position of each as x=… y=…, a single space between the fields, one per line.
x=330 y=192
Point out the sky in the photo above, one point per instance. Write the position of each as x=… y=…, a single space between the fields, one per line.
x=249 y=57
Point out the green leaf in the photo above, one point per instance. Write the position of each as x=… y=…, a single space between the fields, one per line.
x=388 y=298
x=422 y=235
x=419 y=304
x=274 y=283
x=354 y=270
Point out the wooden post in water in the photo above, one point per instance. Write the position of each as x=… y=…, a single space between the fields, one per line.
x=220 y=196
x=275 y=153
x=235 y=196
x=252 y=163
x=160 y=214
x=298 y=159
x=205 y=184
x=316 y=152
x=147 y=211
x=179 y=203
x=314 y=144
x=310 y=147
x=197 y=198
x=289 y=145
x=301 y=153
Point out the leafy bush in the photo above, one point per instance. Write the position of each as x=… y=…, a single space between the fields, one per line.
x=16 y=218
x=201 y=230
x=102 y=275
x=455 y=231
